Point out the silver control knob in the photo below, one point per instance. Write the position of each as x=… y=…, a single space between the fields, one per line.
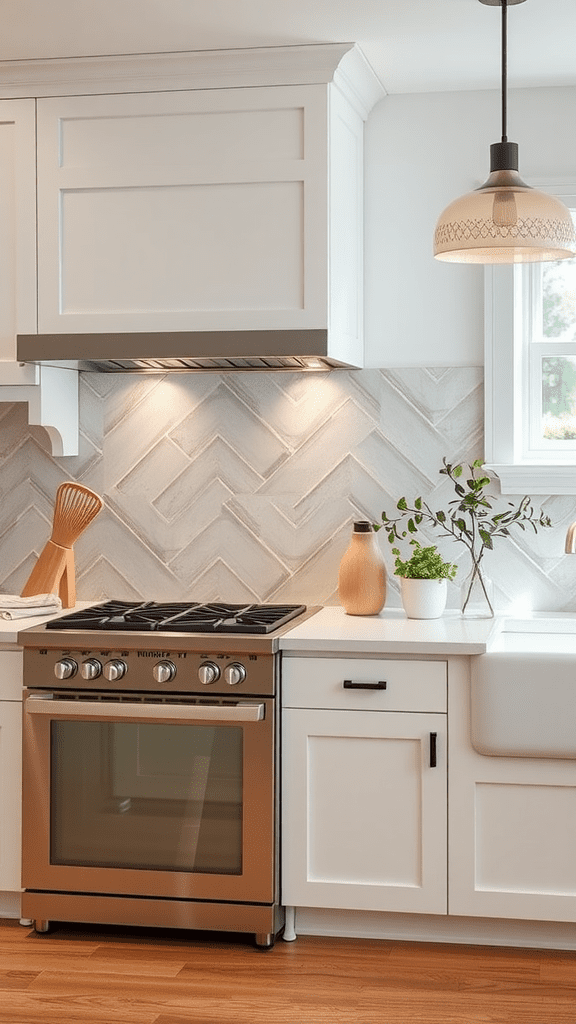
x=234 y=673
x=90 y=669
x=164 y=671
x=114 y=669
x=65 y=669
x=208 y=673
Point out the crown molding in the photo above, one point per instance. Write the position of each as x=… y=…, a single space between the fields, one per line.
x=357 y=80
x=309 y=64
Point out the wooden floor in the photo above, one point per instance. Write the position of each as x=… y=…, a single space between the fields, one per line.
x=101 y=975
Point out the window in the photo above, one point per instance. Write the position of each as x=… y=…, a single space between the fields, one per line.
x=530 y=372
x=553 y=360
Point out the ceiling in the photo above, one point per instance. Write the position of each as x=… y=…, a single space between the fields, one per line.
x=413 y=45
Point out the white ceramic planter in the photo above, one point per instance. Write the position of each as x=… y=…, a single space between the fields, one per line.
x=423 y=599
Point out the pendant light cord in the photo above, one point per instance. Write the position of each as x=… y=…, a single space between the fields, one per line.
x=504 y=68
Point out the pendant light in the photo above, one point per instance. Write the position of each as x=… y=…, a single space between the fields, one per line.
x=504 y=221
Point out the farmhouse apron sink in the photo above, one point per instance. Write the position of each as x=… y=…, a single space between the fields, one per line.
x=523 y=691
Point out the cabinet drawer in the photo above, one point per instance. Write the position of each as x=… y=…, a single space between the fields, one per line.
x=344 y=683
x=10 y=675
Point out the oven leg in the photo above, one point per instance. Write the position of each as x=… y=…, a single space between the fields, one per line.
x=290 y=926
x=264 y=940
x=41 y=926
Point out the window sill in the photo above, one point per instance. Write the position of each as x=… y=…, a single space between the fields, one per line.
x=535 y=478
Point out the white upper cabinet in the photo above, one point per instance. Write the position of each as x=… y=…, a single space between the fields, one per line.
x=17 y=223
x=51 y=393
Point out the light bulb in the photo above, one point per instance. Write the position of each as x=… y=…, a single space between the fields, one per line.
x=504 y=210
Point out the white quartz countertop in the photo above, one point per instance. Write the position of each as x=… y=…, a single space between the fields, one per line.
x=331 y=630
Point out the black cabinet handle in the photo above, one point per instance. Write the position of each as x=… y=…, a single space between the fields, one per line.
x=363 y=684
x=433 y=738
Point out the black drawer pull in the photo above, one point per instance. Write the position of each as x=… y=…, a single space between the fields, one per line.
x=433 y=738
x=364 y=684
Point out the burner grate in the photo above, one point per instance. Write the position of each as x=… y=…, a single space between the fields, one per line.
x=191 y=617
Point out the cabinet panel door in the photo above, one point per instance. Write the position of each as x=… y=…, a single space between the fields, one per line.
x=10 y=794
x=17 y=223
x=364 y=813
x=201 y=210
x=11 y=669
x=512 y=844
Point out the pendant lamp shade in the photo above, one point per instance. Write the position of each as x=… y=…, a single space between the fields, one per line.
x=504 y=221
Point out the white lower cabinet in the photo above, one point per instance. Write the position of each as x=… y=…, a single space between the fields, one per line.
x=364 y=814
x=364 y=784
x=10 y=770
x=512 y=834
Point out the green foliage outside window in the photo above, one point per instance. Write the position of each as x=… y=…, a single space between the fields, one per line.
x=558 y=312
x=559 y=372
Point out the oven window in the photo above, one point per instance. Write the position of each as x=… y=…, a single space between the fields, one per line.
x=160 y=797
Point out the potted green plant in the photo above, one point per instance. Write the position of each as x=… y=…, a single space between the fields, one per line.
x=424 y=581
x=469 y=519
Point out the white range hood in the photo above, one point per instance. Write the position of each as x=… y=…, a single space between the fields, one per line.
x=209 y=219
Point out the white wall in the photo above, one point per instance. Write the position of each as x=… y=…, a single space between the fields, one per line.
x=423 y=151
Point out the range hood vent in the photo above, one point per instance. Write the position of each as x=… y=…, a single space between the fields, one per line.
x=181 y=352
x=183 y=365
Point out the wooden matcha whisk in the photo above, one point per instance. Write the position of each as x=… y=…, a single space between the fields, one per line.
x=54 y=573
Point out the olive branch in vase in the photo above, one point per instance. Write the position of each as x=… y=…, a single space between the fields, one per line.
x=469 y=519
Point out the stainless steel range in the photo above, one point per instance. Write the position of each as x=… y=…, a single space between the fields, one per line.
x=150 y=755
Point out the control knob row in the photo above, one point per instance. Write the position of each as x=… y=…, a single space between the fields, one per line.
x=90 y=669
x=163 y=671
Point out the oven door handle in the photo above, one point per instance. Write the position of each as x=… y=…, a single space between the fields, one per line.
x=44 y=704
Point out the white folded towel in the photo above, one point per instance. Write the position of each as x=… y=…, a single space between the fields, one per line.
x=14 y=607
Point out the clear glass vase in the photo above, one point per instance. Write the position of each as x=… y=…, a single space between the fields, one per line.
x=477 y=595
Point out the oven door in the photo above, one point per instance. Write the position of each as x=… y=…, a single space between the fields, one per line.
x=145 y=796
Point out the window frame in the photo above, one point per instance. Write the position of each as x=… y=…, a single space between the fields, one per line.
x=509 y=307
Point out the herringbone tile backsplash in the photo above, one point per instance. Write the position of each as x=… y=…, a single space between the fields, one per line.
x=244 y=486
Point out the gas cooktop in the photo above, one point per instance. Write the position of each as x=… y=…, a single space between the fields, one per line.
x=185 y=617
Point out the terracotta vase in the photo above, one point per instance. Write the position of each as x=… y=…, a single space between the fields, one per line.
x=362 y=575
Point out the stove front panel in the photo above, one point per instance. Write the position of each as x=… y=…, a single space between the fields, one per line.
x=144 y=670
